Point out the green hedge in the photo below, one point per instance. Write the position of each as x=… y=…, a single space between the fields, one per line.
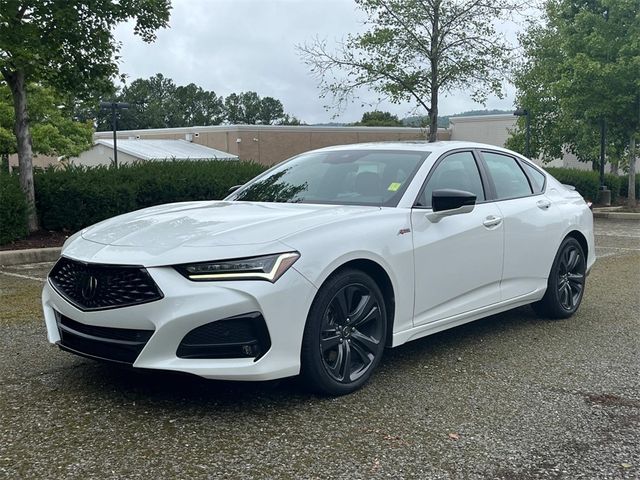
x=587 y=182
x=13 y=209
x=74 y=197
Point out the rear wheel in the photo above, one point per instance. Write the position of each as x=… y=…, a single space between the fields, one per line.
x=345 y=333
x=565 y=286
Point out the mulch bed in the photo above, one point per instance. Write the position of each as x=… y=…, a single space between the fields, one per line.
x=39 y=239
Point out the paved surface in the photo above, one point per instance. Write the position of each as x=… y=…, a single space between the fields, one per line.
x=510 y=397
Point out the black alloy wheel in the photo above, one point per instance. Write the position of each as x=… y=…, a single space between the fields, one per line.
x=345 y=334
x=566 y=283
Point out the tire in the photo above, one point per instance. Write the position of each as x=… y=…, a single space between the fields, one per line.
x=345 y=334
x=566 y=283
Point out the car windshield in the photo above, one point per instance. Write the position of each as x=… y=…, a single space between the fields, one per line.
x=344 y=177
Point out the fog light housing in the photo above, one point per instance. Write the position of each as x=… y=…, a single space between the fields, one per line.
x=241 y=336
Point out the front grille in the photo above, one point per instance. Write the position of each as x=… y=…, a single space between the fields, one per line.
x=121 y=345
x=92 y=286
x=234 y=337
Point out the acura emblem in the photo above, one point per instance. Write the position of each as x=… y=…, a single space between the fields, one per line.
x=89 y=287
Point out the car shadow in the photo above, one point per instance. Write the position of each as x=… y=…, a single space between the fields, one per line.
x=178 y=390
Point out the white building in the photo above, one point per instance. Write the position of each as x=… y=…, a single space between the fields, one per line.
x=496 y=129
x=135 y=150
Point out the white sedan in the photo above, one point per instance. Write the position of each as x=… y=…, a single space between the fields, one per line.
x=317 y=265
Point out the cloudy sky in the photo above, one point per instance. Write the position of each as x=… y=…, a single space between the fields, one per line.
x=239 y=45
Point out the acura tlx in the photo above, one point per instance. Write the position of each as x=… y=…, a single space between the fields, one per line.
x=318 y=264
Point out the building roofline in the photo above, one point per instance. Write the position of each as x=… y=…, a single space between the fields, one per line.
x=123 y=147
x=258 y=128
x=480 y=118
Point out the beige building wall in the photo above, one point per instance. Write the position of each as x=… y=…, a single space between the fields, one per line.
x=270 y=144
x=266 y=144
x=490 y=129
x=39 y=161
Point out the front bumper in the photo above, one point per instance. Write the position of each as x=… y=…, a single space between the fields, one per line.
x=187 y=305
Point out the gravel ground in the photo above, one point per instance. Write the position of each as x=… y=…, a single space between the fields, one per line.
x=507 y=397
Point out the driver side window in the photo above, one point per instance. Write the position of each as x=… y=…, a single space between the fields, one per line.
x=457 y=171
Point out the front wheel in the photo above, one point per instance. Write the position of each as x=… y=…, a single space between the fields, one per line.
x=565 y=286
x=345 y=334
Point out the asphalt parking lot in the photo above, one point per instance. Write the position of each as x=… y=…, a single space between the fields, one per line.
x=507 y=397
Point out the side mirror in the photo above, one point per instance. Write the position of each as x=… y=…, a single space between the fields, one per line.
x=234 y=188
x=447 y=202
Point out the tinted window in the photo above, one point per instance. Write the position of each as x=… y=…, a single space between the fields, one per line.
x=353 y=177
x=457 y=171
x=508 y=178
x=537 y=178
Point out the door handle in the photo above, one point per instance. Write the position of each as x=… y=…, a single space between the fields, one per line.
x=543 y=204
x=492 y=221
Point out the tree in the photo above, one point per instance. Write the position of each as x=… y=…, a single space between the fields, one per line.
x=53 y=129
x=290 y=120
x=67 y=45
x=249 y=108
x=379 y=119
x=196 y=106
x=271 y=111
x=157 y=102
x=581 y=68
x=415 y=50
x=152 y=105
x=233 y=109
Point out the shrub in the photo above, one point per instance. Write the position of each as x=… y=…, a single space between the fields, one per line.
x=587 y=182
x=613 y=183
x=75 y=197
x=13 y=209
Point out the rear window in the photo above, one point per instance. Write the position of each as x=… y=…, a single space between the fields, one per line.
x=508 y=178
x=537 y=178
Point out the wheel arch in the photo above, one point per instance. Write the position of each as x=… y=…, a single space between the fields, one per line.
x=582 y=240
x=382 y=279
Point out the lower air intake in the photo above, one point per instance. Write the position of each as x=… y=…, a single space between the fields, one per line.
x=241 y=336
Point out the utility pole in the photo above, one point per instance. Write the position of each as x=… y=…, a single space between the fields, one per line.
x=113 y=106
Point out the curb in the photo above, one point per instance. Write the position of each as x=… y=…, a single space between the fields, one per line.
x=30 y=255
x=617 y=215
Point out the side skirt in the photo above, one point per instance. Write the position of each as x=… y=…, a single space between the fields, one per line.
x=405 y=336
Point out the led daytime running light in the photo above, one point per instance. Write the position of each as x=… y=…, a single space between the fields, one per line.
x=268 y=267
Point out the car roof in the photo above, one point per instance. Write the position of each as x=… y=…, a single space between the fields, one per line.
x=414 y=145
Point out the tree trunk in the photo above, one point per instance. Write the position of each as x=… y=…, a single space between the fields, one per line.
x=18 y=87
x=631 y=197
x=435 y=80
x=433 y=117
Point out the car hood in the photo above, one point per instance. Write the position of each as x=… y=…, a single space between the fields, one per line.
x=202 y=224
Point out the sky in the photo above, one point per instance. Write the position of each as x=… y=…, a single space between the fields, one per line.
x=250 y=45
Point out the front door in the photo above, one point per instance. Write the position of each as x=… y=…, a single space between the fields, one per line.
x=458 y=259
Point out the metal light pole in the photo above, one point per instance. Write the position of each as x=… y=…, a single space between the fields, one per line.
x=603 y=137
x=113 y=106
x=523 y=112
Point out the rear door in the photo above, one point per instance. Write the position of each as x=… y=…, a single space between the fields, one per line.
x=458 y=259
x=532 y=223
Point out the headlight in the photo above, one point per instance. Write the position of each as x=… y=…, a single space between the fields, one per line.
x=267 y=267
